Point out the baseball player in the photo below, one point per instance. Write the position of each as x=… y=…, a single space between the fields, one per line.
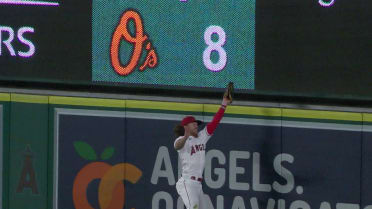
x=190 y=145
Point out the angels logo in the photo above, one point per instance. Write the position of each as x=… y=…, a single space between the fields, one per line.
x=197 y=148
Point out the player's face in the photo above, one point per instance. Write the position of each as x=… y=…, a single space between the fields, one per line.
x=193 y=127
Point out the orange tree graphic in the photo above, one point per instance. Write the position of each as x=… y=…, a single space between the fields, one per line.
x=111 y=190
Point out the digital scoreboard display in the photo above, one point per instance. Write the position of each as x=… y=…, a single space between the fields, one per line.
x=314 y=48
x=174 y=43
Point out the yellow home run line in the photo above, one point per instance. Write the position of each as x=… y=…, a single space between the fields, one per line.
x=367 y=117
x=4 y=97
x=27 y=98
x=189 y=107
x=320 y=114
x=172 y=106
x=241 y=110
x=97 y=102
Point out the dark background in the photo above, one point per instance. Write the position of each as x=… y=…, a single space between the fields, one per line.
x=305 y=49
x=304 y=52
x=62 y=39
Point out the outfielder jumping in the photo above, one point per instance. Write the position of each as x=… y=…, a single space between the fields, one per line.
x=190 y=145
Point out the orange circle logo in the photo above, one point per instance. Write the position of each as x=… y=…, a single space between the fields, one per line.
x=111 y=191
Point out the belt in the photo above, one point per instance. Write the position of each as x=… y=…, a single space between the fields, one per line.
x=196 y=179
x=193 y=178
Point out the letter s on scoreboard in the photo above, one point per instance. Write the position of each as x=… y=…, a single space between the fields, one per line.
x=8 y=40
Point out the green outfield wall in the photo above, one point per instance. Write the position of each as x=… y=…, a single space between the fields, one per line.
x=48 y=141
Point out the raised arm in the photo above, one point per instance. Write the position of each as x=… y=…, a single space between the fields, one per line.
x=211 y=126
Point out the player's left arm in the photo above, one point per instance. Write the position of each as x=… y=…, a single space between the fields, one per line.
x=211 y=126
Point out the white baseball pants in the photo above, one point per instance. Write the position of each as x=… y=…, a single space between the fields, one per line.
x=191 y=193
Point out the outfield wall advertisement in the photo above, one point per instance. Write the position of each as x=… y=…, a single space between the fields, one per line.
x=251 y=161
x=85 y=153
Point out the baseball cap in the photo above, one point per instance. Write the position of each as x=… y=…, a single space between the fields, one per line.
x=189 y=119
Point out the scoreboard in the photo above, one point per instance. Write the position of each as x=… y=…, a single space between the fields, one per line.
x=314 y=48
x=191 y=43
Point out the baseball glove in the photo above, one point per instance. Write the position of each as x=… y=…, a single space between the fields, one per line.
x=229 y=92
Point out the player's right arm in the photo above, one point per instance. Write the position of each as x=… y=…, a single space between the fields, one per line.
x=180 y=142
